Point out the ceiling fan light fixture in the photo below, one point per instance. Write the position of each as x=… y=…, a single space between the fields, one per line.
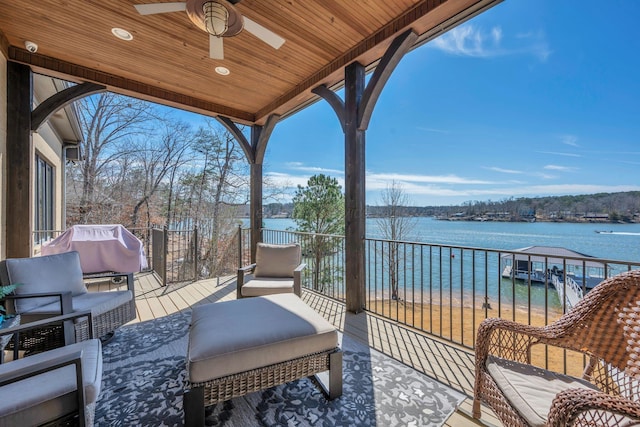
x=216 y=18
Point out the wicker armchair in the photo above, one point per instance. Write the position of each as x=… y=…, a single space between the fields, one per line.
x=52 y=285
x=604 y=326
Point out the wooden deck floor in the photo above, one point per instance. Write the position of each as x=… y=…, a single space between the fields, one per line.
x=450 y=364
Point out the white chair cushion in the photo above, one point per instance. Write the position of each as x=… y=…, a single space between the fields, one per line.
x=235 y=336
x=530 y=389
x=51 y=273
x=277 y=260
x=35 y=398
x=267 y=286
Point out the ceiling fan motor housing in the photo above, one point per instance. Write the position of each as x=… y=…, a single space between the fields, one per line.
x=234 y=22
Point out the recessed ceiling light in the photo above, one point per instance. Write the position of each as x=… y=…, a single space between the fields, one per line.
x=223 y=71
x=122 y=34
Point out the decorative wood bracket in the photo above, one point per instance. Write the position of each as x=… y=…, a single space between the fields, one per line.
x=398 y=48
x=254 y=150
x=61 y=99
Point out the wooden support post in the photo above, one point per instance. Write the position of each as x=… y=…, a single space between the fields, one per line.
x=19 y=213
x=354 y=115
x=254 y=151
x=355 y=202
x=256 y=208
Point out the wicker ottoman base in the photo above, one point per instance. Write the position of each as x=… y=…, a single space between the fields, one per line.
x=205 y=388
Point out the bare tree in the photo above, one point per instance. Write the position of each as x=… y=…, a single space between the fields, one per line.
x=394 y=226
x=208 y=189
x=155 y=160
x=108 y=122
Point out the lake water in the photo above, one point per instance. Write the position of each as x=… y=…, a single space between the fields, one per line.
x=622 y=244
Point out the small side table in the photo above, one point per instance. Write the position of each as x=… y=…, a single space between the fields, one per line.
x=4 y=339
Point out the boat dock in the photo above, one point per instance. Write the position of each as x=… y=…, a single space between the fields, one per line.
x=570 y=273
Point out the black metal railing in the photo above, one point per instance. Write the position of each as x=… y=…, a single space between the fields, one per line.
x=447 y=291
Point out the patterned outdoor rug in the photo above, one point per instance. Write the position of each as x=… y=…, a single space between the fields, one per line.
x=144 y=373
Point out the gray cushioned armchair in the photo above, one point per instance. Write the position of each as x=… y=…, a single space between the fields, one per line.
x=52 y=285
x=277 y=270
x=56 y=387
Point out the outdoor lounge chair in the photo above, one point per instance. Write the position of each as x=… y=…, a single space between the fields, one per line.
x=53 y=285
x=56 y=387
x=277 y=270
x=604 y=326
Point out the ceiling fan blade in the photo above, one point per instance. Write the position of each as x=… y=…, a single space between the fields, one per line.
x=153 y=8
x=267 y=36
x=216 y=50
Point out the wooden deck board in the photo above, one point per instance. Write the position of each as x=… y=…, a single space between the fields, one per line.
x=450 y=364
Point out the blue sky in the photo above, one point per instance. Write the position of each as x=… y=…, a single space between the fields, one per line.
x=532 y=98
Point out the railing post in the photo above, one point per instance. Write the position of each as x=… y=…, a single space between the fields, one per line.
x=195 y=253
x=239 y=245
x=165 y=251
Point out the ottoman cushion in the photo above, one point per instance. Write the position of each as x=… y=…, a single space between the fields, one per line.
x=236 y=336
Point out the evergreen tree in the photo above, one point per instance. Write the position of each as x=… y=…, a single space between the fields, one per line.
x=319 y=208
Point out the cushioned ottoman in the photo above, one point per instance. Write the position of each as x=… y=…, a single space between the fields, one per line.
x=238 y=347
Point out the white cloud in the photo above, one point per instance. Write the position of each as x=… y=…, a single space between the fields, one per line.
x=290 y=181
x=496 y=32
x=467 y=40
x=314 y=169
x=555 y=153
x=571 y=140
x=434 y=179
x=501 y=170
x=559 y=168
x=427 y=129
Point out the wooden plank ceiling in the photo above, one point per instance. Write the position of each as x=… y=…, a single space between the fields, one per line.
x=168 y=59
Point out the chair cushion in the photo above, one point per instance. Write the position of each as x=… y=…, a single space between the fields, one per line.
x=235 y=336
x=37 y=399
x=276 y=260
x=267 y=286
x=51 y=273
x=529 y=389
x=97 y=302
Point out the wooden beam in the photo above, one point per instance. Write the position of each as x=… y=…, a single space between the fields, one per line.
x=355 y=203
x=254 y=152
x=399 y=47
x=61 y=99
x=19 y=210
x=354 y=115
x=65 y=70
x=255 y=206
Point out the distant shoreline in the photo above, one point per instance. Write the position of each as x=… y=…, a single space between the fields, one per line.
x=484 y=219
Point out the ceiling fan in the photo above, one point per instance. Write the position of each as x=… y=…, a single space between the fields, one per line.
x=219 y=18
